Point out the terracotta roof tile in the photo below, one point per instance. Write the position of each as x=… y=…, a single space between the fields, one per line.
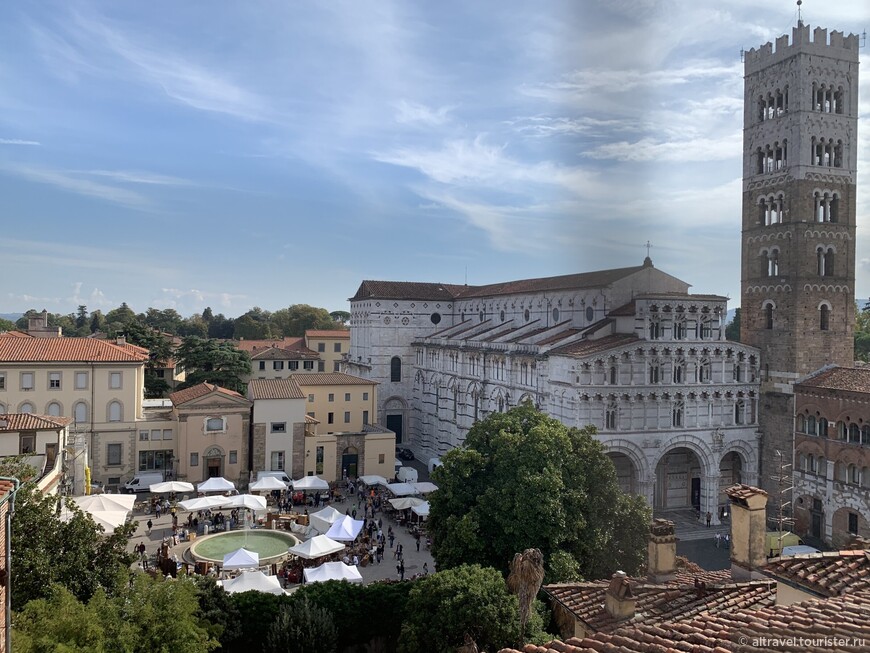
x=31 y=422
x=825 y=574
x=251 y=345
x=63 y=350
x=199 y=390
x=742 y=491
x=274 y=389
x=852 y=379
x=329 y=378
x=14 y=334
x=328 y=333
x=584 y=348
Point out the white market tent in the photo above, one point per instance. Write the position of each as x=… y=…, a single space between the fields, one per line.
x=345 y=529
x=403 y=503
x=422 y=510
x=255 y=581
x=103 y=502
x=316 y=547
x=202 y=503
x=268 y=483
x=373 y=479
x=108 y=519
x=424 y=487
x=249 y=501
x=401 y=489
x=241 y=559
x=216 y=484
x=171 y=486
x=310 y=483
x=323 y=519
x=333 y=571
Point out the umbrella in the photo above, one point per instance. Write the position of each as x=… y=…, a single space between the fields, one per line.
x=325 y=518
x=253 y=581
x=333 y=571
x=108 y=519
x=345 y=529
x=171 y=486
x=424 y=487
x=373 y=479
x=316 y=547
x=401 y=489
x=250 y=501
x=310 y=483
x=268 y=483
x=403 y=503
x=422 y=509
x=216 y=484
x=202 y=503
x=103 y=502
x=241 y=559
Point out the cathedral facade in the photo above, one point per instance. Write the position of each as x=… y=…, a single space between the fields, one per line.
x=629 y=351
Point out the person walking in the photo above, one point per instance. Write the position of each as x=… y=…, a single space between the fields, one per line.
x=709 y=517
x=391 y=537
x=418 y=543
x=425 y=568
x=150 y=525
x=402 y=570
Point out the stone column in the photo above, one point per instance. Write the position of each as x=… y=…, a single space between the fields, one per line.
x=646 y=488
x=710 y=498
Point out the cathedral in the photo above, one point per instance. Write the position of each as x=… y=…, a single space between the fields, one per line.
x=681 y=411
x=629 y=351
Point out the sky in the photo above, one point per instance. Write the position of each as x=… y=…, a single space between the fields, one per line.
x=267 y=153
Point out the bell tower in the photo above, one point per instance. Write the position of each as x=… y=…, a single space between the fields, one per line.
x=800 y=121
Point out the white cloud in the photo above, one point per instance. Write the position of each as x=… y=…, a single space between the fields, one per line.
x=17 y=141
x=76 y=185
x=699 y=149
x=133 y=177
x=196 y=300
x=415 y=113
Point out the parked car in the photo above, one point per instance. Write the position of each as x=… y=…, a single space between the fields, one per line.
x=404 y=454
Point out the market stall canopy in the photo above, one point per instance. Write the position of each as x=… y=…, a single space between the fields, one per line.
x=316 y=547
x=241 y=559
x=253 y=581
x=310 y=483
x=424 y=487
x=171 y=486
x=268 y=483
x=216 y=484
x=401 y=489
x=422 y=509
x=322 y=520
x=108 y=519
x=373 y=479
x=103 y=502
x=202 y=503
x=250 y=501
x=403 y=503
x=333 y=571
x=345 y=529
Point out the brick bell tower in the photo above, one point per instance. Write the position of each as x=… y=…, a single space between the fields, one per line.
x=800 y=122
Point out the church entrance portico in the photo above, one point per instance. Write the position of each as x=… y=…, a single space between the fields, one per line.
x=678 y=480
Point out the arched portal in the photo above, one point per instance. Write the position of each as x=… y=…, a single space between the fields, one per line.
x=214 y=462
x=626 y=474
x=678 y=480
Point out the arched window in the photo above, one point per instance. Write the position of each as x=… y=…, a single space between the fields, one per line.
x=854 y=475
x=677 y=415
x=842 y=433
x=655 y=328
x=612 y=375
x=822 y=428
x=680 y=328
x=854 y=434
x=739 y=410
x=679 y=371
x=824 y=317
x=115 y=412
x=768 y=316
x=54 y=409
x=811 y=465
x=865 y=435
x=811 y=424
x=802 y=463
x=705 y=371
x=773 y=263
x=2 y=409
x=610 y=416
x=395 y=369
x=655 y=372
x=822 y=467
x=801 y=424
x=26 y=407
x=80 y=412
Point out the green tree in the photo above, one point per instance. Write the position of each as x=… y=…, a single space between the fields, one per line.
x=167 y=320
x=148 y=615
x=469 y=600
x=300 y=624
x=82 y=321
x=297 y=319
x=732 y=329
x=159 y=353
x=119 y=318
x=523 y=480
x=340 y=317
x=7 y=325
x=98 y=321
x=221 y=327
x=862 y=332
x=215 y=362
x=193 y=326
x=254 y=325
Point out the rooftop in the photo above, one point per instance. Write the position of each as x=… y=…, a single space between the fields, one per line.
x=30 y=422
x=274 y=389
x=584 y=348
x=851 y=379
x=825 y=574
x=330 y=378
x=200 y=390
x=328 y=333
x=17 y=349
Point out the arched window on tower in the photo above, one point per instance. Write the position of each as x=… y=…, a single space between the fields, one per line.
x=739 y=411
x=611 y=414
x=678 y=412
x=825 y=261
x=822 y=428
x=395 y=369
x=768 y=315
x=824 y=317
x=773 y=263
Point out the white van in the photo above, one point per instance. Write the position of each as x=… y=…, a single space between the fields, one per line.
x=407 y=475
x=433 y=463
x=281 y=476
x=142 y=482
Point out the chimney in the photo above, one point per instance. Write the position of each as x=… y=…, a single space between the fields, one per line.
x=121 y=341
x=661 y=551
x=619 y=599
x=748 y=531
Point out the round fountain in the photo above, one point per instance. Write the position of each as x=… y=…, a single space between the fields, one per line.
x=270 y=545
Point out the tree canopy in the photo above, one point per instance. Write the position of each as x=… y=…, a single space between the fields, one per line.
x=213 y=361
x=524 y=480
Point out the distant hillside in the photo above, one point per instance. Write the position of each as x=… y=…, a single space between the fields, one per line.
x=12 y=317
